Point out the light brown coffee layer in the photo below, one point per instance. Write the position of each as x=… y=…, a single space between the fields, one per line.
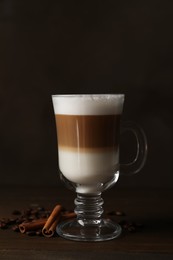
x=88 y=131
x=89 y=150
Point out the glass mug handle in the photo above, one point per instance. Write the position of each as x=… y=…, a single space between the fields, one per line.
x=141 y=153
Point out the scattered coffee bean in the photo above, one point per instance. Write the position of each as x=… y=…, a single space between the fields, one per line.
x=31 y=217
x=36 y=212
x=123 y=223
x=21 y=220
x=40 y=209
x=64 y=209
x=3 y=225
x=26 y=212
x=111 y=213
x=116 y=213
x=39 y=233
x=15 y=228
x=11 y=221
x=139 y=225
x=31 y=233
x=120 y=213
x=32 y=213
x=130 y=226
x=34 y=205
x=4 y=220
x=16 y=212
x=131 y=229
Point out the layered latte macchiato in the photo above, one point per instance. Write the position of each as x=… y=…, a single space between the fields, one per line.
x=88 y=136
x=88 y=132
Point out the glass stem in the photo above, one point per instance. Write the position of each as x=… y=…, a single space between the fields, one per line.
x=89 y=209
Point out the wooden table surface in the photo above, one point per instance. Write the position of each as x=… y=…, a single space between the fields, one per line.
x=152 y=208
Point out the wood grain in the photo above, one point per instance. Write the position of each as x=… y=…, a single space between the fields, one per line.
x=153 y=208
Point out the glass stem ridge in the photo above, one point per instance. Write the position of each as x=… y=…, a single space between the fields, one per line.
x=89 y=209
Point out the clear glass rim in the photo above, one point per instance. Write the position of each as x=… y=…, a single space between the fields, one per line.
x=87 y=95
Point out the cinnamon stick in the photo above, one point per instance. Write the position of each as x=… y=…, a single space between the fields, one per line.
x=49 y=232
x=51 y=223
x=68 y=215
x=48 y=225
x=33 y=225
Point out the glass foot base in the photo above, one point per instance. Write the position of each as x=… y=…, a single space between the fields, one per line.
x=72 y=230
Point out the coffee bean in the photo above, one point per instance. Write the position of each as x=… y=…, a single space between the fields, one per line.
x=39 y=233
x=111 y=213
x=116 y=213
x=47 y=213
x=64 y=209
x=3 y=225
x=27 y=215
x=11 y=221
x=4 y=220
x=34 y=205
x=26 y=212
x=123 y=223
x=139 y=225
x=21 y=220
x=120 y=213
x=32 y=217
x=40 y=209
x=131 y=229
x=34 y=212
x=31 y=233
x=16 y=212
x=15 y=228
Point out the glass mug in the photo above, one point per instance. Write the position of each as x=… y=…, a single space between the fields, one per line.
x=88 y=134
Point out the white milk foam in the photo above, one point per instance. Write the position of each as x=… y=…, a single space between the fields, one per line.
x=88 y=104
x=88 y=169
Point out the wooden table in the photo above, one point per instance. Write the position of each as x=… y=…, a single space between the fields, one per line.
x=153 y=208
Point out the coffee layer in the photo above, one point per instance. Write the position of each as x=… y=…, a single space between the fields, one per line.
x=88 y=131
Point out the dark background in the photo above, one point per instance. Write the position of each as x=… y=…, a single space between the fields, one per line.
x=53 y=47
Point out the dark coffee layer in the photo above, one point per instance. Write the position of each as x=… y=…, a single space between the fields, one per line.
x=88 y=131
